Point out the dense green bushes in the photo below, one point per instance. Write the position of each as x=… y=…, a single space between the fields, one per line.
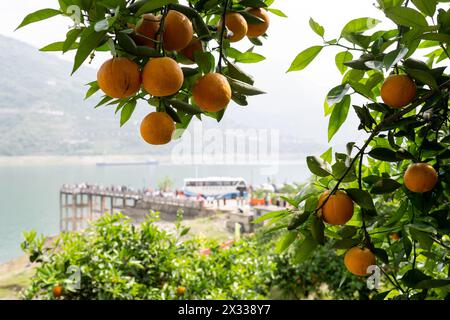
x=117 y=260
x=114 y=259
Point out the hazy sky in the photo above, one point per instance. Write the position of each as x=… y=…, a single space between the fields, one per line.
x=296 y=98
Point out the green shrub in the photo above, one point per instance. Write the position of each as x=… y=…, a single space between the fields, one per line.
x=117 y=260
x=322 y=277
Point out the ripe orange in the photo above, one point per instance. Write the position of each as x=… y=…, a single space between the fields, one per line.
x=357 y=260
x=146 y=30
x=212 y=92
x=162 y=77
x=57 y=291
x=420 y=177
x=194 y=46
x=237 y=24
x=338 y=210
x=181 y=291
x=178 y=31
x=398 y=91
x=119 y=78
x=157 y=128
x=256 y=30
x=394 y=236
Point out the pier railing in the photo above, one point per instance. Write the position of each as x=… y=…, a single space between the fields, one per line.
x=80 y=204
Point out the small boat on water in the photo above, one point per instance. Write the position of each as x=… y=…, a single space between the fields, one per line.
x=128 y=163
x=215 y=187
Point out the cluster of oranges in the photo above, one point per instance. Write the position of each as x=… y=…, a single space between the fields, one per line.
x=122 y=78
x=397 y=92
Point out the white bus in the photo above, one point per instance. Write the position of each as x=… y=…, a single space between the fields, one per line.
x=216 y=187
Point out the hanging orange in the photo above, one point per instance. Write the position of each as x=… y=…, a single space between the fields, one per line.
x=119 y=78
x=258 y=29
x=357 y=260
x=162 y=77
x=157 y=128
x=420 y=177
x=398 y=91
x=338 y=210
x=212 y=92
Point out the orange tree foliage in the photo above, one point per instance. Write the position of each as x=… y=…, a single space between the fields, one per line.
x=405 y=225
x=135 y=30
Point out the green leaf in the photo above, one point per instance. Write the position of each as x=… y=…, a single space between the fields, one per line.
x=173 y=114
x=126 y=42
x=205 y=61
x=423 y=227
x=93 y=89
x=71 y=37
x=87 y=44
x=337 y=94
x=184 y=106
x=38 y=16
x=249 y=57
x=426 y=6
x=406 y=17
x=345 y=243
x=414 y=276
x=239 y=99
x=305 y=249
x=304 y=58
x=253 y=3
x=432 y=283
x=381 y=295
x=318 y=167
x=286 y=241
x=298 y=220
x=341 y=58
x=381 y=254
x=317 y=28
x=339 y=168
x=423 y=76
x=127 y=111
x=236 y=73
x=57 y=46
x=104 y=100
x=277 y=12
x=328 y=155
x=384 y=154
x=394 y=57
x=384 y=186
x=424 y=239
x=151 y=6
x=244 y=88
x=347 y=231
x=362 y=198
x=271 y=215
x=317 y=230
x=439 y=37
x=359 y=25
x=338 y=116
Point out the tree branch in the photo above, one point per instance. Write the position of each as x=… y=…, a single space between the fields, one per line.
x=222 y=35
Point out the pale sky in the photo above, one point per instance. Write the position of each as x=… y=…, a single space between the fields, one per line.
x=297 y=97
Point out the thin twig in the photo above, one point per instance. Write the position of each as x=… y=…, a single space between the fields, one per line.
x=222 y=35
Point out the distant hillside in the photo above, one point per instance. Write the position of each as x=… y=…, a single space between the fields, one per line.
x=42 y=111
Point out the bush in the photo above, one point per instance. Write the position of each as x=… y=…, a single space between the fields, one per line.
x=322 y=277
x=113 y=259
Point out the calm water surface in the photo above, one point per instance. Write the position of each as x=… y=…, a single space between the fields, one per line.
x=29 y=195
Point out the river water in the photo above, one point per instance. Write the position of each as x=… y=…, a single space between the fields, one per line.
x=29 y=194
